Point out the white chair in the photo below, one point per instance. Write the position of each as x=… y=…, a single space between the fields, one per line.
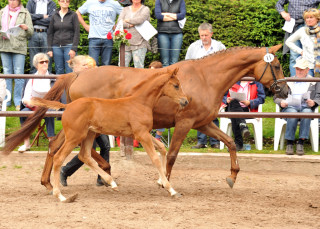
x=3 y=119
x=225 y=126
x=111 y=141
x=280 y=130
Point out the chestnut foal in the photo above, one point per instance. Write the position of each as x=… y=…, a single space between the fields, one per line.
x=129 y=116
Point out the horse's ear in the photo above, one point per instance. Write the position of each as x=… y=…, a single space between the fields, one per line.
x=275 y=48
x=175 y=71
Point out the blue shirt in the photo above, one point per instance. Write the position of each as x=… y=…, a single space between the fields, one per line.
x=296 y=7
x=102 y=16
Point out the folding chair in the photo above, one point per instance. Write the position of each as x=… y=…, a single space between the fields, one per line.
x=3 y=119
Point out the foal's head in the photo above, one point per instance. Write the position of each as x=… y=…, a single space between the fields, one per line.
x=173 y=89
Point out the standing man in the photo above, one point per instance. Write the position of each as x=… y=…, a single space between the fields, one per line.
x=198 y=49
x=41 y=12
x=295 y=10
x=102 y=17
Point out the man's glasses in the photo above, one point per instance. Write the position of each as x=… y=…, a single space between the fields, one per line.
x=44 y=61
x=65 y=1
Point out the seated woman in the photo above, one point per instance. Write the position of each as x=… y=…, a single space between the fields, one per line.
x=255 y=95
x=303 y=97
x=37 y=88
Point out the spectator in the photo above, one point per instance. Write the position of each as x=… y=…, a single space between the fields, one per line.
x=134 y=15
x=102 y=16
x=37 y=88
x=255 y=96
x=63 y=37
x=304 y=97
x=13 y=49
x=80 y=63
x=168 y=13
x=295 y=11
x=41 y=12
x=307 y=36
x=198 y=49
x=3 y=91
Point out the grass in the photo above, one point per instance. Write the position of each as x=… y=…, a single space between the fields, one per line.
x=191 y=139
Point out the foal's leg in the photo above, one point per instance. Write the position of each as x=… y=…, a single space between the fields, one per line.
x=85 y=157
x=162 y=149
x=146 y=141
x=213 y=131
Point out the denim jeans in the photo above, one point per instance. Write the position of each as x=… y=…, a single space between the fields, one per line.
x=169 y=47
x=13 y=63
x=49 y=121
x=61 y=56
x=292 y=124
x=101 y=47
x=294 y=55
x=75 y=163
x=38 y=43
x=202 y=138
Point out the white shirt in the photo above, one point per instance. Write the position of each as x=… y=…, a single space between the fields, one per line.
x=41 y=8
x=196 y=50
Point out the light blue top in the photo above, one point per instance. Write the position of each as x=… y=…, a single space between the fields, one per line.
x=102 y=16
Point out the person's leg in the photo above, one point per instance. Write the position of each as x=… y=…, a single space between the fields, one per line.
x=66 y=57
x=103 y=142
x=214 y=143
x=138 y=57
x=175 y=47
x=7 y=64
x=18 y=68
x=50 y=126
x=94 y=49
x=202 y=138
x=292 y=124
x=70 y=168
x=106 y=51
x=304 y=129
x=58 y=58
x=127 y=58
x=164 y=46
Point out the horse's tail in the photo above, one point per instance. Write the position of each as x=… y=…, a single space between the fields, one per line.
x=47 y=103
x=55 y=93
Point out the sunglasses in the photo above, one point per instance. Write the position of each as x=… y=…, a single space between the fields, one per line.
x=44 y=61
x=65 y=1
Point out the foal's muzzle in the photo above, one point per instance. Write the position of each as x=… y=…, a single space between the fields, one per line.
x=183 y=102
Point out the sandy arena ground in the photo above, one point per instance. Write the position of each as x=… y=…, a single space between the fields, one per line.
x=271 y=192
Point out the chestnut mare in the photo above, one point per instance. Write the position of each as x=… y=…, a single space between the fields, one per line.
x=129 y=116
x=204 y=81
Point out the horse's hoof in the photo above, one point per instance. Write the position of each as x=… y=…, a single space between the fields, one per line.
x=177 y=195
x=71 y=199
x=230 y=182
x=50 y=192
x=115 y=189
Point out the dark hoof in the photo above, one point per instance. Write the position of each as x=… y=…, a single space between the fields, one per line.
x=71 y=199
x=230 y=182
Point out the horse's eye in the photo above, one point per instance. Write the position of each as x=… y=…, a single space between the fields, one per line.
x=176 y=86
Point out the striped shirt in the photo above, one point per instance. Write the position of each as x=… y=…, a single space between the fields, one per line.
x=296 y=7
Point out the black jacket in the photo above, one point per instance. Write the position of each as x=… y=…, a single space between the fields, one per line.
x=64 y=31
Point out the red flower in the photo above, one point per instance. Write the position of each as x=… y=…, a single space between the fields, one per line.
x=128 y=36
x=125 y=31
x=117 y=33
x=109 y=36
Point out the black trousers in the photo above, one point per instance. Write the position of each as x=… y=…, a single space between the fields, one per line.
x=73 y=165
x=234 y=106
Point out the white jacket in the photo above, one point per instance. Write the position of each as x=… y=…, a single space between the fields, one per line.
x=307 y=45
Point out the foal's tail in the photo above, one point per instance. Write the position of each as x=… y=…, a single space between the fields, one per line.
x=47 y=103
x=17 y=137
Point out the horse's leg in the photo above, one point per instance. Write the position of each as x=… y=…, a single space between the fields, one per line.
x=54 y=146
x=213 y=131
x=162 y=149
x=85 y=157
x=58 y=159
x=103 y=164
x=146 y=141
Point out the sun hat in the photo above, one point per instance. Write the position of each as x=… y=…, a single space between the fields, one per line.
x=301 y=63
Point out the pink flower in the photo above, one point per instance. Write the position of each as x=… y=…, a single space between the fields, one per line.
x=117 y=33
x=125 y=31
x=128 y=36
x=109 y=36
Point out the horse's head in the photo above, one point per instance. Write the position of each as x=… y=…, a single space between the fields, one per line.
x=268 y=71
x=173 y=89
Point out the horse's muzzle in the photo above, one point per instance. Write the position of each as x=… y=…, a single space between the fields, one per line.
x=183 y=102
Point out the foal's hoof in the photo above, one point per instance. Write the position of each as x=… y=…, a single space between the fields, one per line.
x=71 y=199
x=177 y=195
x=230 y=182
x=115 y=189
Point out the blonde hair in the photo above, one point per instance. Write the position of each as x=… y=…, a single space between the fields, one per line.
x=312 y=12
x=91 y=63
x=155 y=64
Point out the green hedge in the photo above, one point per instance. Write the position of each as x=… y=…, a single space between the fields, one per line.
x=235 y=23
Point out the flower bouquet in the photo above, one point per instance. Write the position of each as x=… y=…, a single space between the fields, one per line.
x=120 y=37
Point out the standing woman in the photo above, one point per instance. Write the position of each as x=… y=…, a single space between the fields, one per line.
x=309 y=36
x=13 y=50
x=134 y=15
x=168 y=13
x=63 y=37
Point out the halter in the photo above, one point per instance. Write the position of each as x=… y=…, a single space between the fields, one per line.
x=268 y=58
